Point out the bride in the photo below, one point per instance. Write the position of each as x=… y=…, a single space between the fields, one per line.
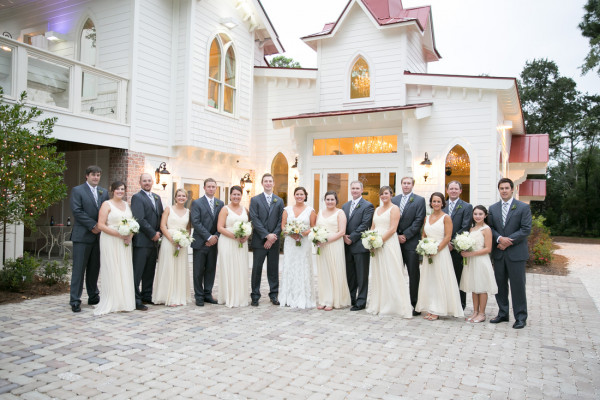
x=297 y=278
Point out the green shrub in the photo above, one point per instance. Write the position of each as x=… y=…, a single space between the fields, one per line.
x=17 y=274
x=55 y=272
x=540 y=244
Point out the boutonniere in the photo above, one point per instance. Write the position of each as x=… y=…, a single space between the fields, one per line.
x=459 y=207
x=411 y=199
x=155 y=197
x=100 y=192
x=513 y=207
x=274 y=200
x=216 y=203
x=357 y=206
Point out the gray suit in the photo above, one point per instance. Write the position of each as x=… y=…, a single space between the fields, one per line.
x=357 y=257
x=204 y=223
x=462 y=215
x=265 y=220
x=145 y=250
x=410 y=225
x=86 y=247
x=509 y=264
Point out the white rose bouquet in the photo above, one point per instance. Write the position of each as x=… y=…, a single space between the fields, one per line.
x=463 y=242
x=428 y=247
x=241 y=230
x=294 y=228
x=127 y=226
x=371 y=240
x=182 y=239
x=318 y=235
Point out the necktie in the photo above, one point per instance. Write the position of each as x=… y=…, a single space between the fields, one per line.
x=451 y=208
x=95 y=193
x=504 y=213
x=403 y=203
x=151 y=199
x=269 y=200
x=352 y=206
x=212 y=206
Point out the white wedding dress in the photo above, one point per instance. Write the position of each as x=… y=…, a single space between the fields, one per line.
x=297 y=278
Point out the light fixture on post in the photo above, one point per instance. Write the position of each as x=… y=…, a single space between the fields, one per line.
x=161 y=170
x=427 y=164
x=246 y=183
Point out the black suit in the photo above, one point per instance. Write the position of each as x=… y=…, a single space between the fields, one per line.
x=410 y=225
x=357 y=257
x=145 y=250
x=86 y=246
x=204 y=222
x=462 y=215
x=265 y=220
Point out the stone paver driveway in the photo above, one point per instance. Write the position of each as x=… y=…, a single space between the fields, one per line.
x=269 y=352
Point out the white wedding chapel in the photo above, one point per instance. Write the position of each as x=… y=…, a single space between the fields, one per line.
x=182 y=89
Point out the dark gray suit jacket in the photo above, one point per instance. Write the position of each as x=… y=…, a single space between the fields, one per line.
x=85 y=212
x=265 y=219
x=517 y=227
x=147 y=216
x=359 y=222
x=204 y=222
x=462 y=215
x=411 y=220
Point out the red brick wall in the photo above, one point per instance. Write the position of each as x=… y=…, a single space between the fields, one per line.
x=126 y=166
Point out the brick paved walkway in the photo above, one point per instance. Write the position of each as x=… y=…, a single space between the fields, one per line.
x=268 y=352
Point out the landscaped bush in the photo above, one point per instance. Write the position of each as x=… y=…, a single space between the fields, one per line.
x=55 y=272
x=540 y=243
x=19 y=273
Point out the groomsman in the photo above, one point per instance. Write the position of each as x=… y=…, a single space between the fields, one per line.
x=412 y=216
x=461 y=214
x=147 y=209
x=85 y=204
x=510 y=220
x=204 y=215
x=359 y=214
x=265 y=213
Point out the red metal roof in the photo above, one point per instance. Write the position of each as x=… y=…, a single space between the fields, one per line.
x=530 y=149
x=352 y=112
x=533 y=188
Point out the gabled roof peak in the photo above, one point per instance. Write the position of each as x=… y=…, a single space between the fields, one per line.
x=385 y=9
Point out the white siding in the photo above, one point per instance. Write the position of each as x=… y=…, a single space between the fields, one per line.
x=415 y=59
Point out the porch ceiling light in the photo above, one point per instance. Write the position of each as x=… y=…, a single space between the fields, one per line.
x=507 y=125
x=5 y=48
x=55 y=36
x=228 y=22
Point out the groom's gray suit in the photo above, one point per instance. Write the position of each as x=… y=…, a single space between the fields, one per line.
x=509 y=264
x=265 y=220
x=357 y=257
x=86 y=247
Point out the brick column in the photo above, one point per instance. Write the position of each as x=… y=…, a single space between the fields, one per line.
x=126 y=166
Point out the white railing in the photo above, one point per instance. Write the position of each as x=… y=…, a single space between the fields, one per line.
x=59 y=83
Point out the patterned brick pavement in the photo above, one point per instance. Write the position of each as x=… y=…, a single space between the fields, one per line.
x=269 y=352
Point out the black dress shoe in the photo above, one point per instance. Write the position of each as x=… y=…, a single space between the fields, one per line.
x=210 y=300
x=141 y=307
x=254 y=303
x=498 y=319
x=199 y=303
x=275 y=302
x=519 y=324
x=357 y=308
x=415 y=313
x=147 y=302
x=76 y=308
x=94 y=302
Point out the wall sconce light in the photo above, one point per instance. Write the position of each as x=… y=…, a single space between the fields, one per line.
x=161 y=170
x=228 y=22
x=295 y=163
x=55 y=36
x=427 y=163
x=296 y=178
x=448 y=171
x=246 y=183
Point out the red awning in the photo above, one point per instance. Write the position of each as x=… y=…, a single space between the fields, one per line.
x=533 y=188
x=356 y=111
x=530 y=149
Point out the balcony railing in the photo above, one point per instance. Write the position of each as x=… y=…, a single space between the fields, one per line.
x=62 y=84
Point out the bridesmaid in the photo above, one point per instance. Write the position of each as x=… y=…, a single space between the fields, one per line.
x=171 y=282
x=438 y=289
x=116 y=267
x=232 y=260
x=297 y=273
x=388 y=293
x=478 y=274
x=331 y=263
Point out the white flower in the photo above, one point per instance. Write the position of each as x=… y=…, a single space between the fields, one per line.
x=127 y=226
x=463 y=242
x=294 y=228
x=428 y=247
x=241 y=230
x=182 y=239
x=318 y=235
x=371 y=240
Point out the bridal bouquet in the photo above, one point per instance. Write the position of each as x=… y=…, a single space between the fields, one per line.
x=318 y=235
x=295 y=228
x=182 y=239
x=463 y=242
x=241 y=230
x=428 y=247
x=127 y=226
x=371 y=240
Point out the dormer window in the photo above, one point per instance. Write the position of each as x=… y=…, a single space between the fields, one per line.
x=360 y=81
x=221 y=74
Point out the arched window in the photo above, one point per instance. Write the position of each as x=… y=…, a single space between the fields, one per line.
x=87 y=43
x=360 y=81
x=458 y=168
x=221 y=74
x=279 y=170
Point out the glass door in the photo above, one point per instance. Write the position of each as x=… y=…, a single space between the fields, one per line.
x=371 y=183
x=329 y=180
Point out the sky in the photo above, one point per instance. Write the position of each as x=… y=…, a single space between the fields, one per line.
x=474 y=37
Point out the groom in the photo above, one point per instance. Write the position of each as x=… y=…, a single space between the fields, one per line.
x=265 y=213
x=510 y=220
x=359 y=214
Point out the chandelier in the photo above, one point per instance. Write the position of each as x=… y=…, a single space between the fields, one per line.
x=457 y=163
x=372 y=145
x=360 y=80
